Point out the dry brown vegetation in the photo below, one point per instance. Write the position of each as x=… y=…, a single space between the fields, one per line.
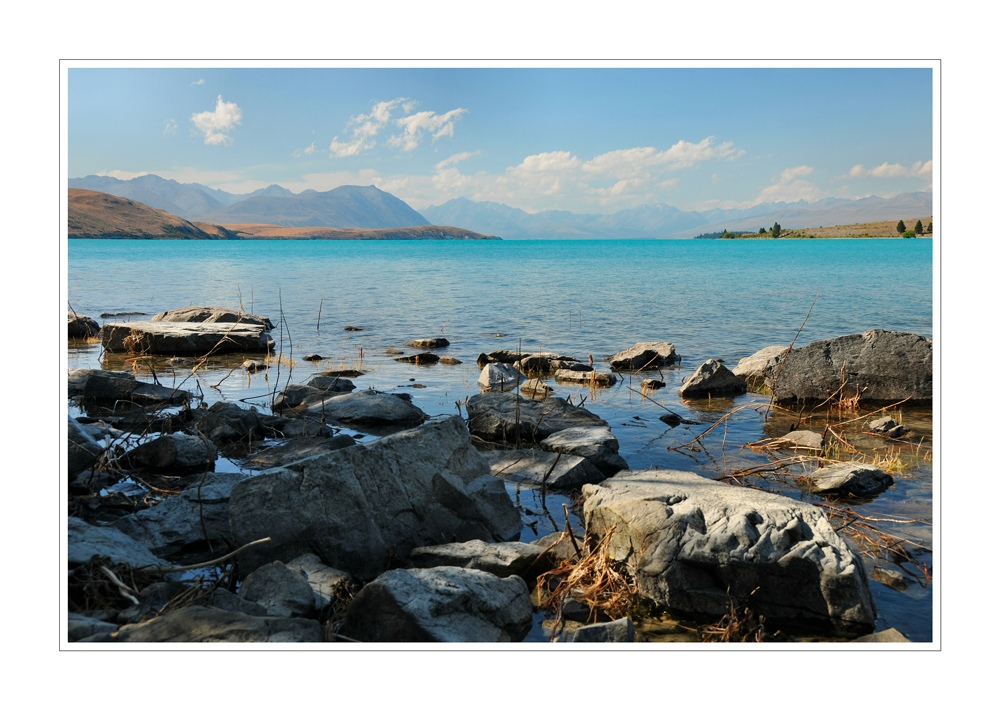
x=870 y=230
x=96 y=214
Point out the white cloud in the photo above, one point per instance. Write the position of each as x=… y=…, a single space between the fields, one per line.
x=457 y=158
x=217 y=124
x=895 y=170
x=305 y=151
x=365 y=127
x=198 y=83
x=415 y=126
x=121 y=174
x=789 y=188
x=170 y=128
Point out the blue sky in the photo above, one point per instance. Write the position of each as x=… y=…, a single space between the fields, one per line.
x=584 y=140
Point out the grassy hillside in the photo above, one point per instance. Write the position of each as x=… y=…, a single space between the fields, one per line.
x=97 y=215
x=863 y=230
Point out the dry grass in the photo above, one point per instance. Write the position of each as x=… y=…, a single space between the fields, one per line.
x=740 y=624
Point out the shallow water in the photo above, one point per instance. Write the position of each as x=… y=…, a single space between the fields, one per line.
x=709 y=298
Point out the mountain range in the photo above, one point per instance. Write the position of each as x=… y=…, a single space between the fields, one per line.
x=351 y=206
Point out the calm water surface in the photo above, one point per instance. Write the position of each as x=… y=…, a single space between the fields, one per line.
x=710 y=299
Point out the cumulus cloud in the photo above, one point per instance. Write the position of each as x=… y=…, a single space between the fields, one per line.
x=170 y=128
x=216 y=125
x=417 y=125
x=895 y=170
x=364 y=127
x=198 y=83
x=790 y=188
x=305 y=151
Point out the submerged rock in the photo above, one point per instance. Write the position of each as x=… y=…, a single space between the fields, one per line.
x=312 y=357
x=693 y=544
x=185 y=338
x=210 y=314
x=530 y=466
x=357 y=507
x=878 y=366
x=595 y=443
x=446 y=604
x=428 y=343
x=192 y=624
x=712 y=378
x=849 y=478
x=506 y=417
x=645 y=356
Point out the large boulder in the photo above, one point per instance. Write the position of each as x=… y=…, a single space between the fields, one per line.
x=81 y=326
x=210 y=314
x=693 y=544
x=296 y=450
x=83 y=448
x=318 y=389
x=77 y=379
x=596 y=444
x=645 y=356
x=165 y=338
x=440 y=604
x=530 y=466
x=369 y=411
x=505 y=417
x=111 y=388
x=758 y=369
x=878 y=366
x=176 y=528
x=712 y=378
x=227 y=422
x=174 y=453
x=361 y=506
x=86 y=540
x=191 y=624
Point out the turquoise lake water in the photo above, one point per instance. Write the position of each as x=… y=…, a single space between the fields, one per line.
x=711 y=299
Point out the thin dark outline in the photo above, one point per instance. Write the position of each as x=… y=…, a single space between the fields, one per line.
x=515 y=648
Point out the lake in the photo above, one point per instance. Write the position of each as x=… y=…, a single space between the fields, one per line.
x=711 y=299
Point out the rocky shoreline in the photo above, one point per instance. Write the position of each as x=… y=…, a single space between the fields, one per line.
x=413 y=536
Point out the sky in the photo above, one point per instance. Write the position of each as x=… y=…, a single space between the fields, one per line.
x=581 y=139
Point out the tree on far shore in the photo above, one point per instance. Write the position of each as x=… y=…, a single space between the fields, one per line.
x=930 y=228
x=776 y=231
x=919 y=228
x=900 y=227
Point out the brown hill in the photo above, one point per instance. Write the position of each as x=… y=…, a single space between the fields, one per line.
x=271 y=231
x=862 y=230
x=94 y=215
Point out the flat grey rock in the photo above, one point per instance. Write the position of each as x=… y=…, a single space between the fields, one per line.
x=645 y=356
x=296 y=450
x=281 y=590
x=887 y=636
x=536 y=388
x=210 y=314
x=712 y=378
x=881 y=367
x=77 y=378
x=529 y=466
x=428 y=343
x=444 y=604
x=502 y=416
x=596 y=444
x=504 y=559
x=850 y=479
x=800 y=439
x=692 y=543
x=112 y=388
x=368 y=411
x=179 y=453
x=86 y=540
x=200 y=624
x=168 y=338
x=882 y=425
x=582 y=377
x=80 y=627
x=620 y=631
x=361 y=506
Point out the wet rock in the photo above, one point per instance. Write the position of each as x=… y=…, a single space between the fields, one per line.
x=180 y=454
x=81 y=326
x=672 y=420
x=596 y=444
x=227 y=601
x=352 y=328
x=499 y=377
x=295 y=396
x=692 y=542
x=79 y=627
x=192 y=624
x=323 y=580
x=254 y=366
x=652 y=384
x=176 y=528
x=393 y=351
x=280 y=590
x=450 y=361
x=881 y=426
x=185 y=338
x=890 y=578
x=620 y=631
x=759 y=369
x=83 y=448
x=210 y=314
x=898 y=432
x=800 y=439
x=420 y=359
x=879 y=366
x=887 y=636
x=542 y=364
x=428 y=343
x=296 y=450
x=368 y=411
x=77 y=379
x=290 y=428
x=503 y=559
x=356 y=507
x=482 y=361
x=312 y=357
x=530 y=466
x=446 y=604
x=645 y=356
x=850 y=479
x=536 y=388
x=85 y=541
x=578 y=377
x=341 y=373
x=712 y=378
x=507 y=357
x=505 y=417
x=110 y=388
x=226 y=422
